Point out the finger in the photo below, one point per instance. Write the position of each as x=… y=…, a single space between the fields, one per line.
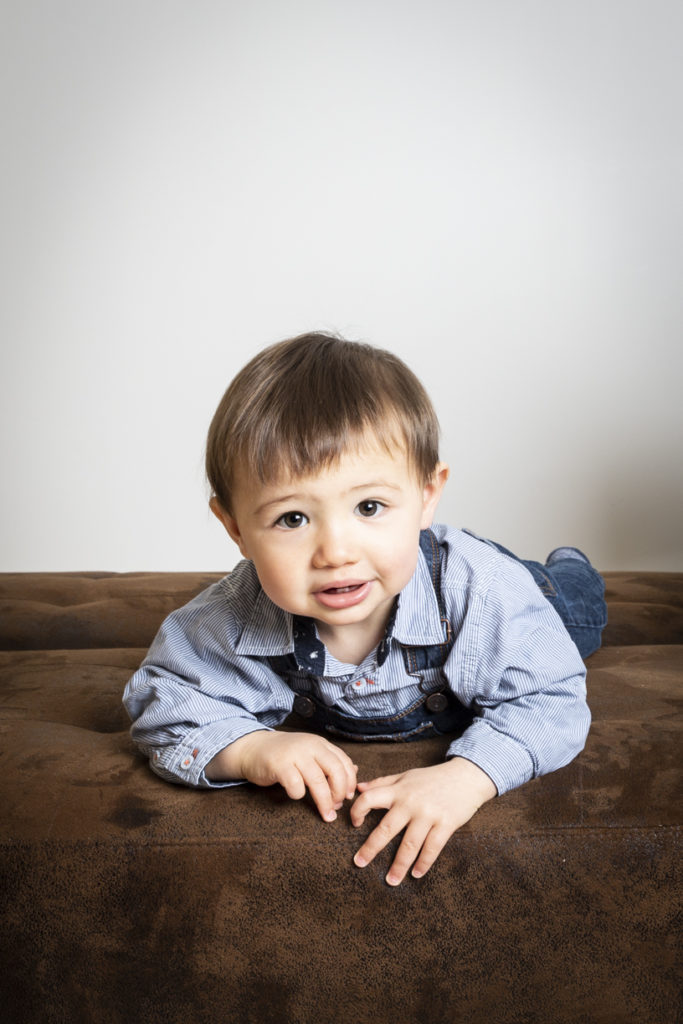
x=432 y=847
x=352 y=775
x=341 y=774
x=371 y=799
x=389 y=827
x=409 y=850
x=318 y=786
x=339 y=771
x=384 y=780
x=291 y=780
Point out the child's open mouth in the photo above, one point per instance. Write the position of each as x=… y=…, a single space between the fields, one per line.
x=345 y=595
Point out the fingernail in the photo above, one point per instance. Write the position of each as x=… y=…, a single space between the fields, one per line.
x=393 y=880
x=339 y=805
x=350 y=795
x=359 y=862
x=331 y=816
x=417 y=874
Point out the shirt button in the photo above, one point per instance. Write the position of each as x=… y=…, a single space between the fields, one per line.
x=436 y=702
x=304 y=706
x=186 y=762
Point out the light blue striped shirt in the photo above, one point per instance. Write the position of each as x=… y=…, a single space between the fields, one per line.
x=206 y=679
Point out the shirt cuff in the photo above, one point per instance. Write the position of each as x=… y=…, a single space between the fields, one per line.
x=506 y=762
x=185 y=763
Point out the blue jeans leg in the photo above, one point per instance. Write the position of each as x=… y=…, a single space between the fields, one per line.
x=577 y=593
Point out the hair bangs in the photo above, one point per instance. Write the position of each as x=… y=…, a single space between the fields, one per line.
x=299 y=446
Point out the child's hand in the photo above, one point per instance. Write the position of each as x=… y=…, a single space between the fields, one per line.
x=429 y=803
x=298 y=761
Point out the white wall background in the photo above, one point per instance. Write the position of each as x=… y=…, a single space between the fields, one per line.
x=491 y=189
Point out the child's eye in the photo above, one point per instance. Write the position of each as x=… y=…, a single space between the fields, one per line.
x=368 y=509
x=291 y=520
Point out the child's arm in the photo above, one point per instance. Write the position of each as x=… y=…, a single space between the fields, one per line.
x=522 y=674
x=429 y=803
x=298 y=761
x=205 y=716
x=196 y=693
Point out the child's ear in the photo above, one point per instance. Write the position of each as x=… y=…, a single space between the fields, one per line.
x=432 y=493
x=230 y=524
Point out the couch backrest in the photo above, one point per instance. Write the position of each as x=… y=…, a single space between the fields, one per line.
x=68 y=611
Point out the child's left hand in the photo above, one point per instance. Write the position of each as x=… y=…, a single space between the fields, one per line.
x=429 y=803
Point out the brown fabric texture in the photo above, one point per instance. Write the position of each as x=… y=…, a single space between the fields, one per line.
x=128 y=899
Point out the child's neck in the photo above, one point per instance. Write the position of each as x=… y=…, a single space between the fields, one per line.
x=350 y=644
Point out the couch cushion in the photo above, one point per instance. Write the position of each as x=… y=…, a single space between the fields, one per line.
x=66 y=746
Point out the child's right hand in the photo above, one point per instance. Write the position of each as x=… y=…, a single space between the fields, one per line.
x=299 y=761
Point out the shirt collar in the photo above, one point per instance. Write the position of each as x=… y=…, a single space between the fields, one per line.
x=267 y=630
x=418 y=619
x=415 y=621
x=271 y=632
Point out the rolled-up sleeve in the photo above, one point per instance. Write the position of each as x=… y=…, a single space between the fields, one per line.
x=526 y=684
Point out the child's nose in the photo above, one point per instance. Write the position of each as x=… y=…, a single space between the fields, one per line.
x=334 y=547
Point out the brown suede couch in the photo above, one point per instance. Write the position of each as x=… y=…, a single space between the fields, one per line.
x=126 y=899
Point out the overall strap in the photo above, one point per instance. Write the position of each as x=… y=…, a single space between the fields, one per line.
x=426 y=656
x=429 y=547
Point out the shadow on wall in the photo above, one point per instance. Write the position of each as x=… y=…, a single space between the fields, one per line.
x=641 y=513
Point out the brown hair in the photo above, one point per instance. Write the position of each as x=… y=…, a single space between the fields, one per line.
x=300 y=404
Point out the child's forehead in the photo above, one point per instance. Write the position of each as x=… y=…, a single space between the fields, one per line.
x=364 y=461
x=356 y=460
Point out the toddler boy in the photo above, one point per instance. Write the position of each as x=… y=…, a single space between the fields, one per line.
x=352 y=610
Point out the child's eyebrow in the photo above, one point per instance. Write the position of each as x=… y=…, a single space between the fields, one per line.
x=376 y=483
x=284 y=499
x=278 y=501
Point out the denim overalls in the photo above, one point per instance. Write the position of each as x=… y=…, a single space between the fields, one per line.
x=572 y=586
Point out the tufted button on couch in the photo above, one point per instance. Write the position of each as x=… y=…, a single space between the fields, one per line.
x=126 y=899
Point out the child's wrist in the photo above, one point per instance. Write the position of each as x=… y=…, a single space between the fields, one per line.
x=228 y=763
x=475 y=777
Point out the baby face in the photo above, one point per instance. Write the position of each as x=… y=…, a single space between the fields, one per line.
x=339 y=545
